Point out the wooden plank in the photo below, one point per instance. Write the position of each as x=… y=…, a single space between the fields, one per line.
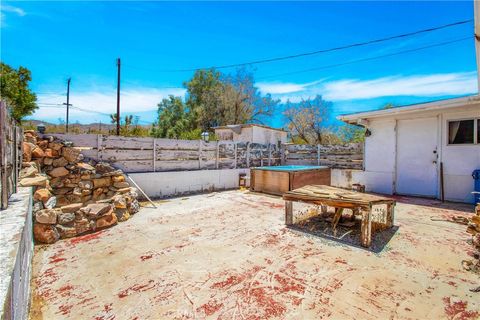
x=311 y=177
x=131 y=143
x=79 y=140
x=126 y=154
x=288 y=213
x=271 y=182
x=130 y=166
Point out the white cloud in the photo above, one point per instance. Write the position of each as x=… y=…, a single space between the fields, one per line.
x=7 y=8
x=350 y=89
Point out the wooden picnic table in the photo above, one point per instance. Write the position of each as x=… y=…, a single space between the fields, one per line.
x=340 y=199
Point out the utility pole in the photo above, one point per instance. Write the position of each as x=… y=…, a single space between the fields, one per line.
x=68 y=103
x=476 y=10
x=118 y=96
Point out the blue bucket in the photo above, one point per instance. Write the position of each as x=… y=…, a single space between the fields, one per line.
x=476 y=178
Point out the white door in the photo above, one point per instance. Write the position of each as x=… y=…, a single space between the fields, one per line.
x=417 y=157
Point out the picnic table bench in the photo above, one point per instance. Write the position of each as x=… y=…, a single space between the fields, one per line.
x=340 y=199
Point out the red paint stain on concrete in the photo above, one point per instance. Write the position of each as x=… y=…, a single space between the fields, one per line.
x=146 y=257
x=64 y=309
x=86 y=238
x=210 y=308
x=458 y=310
x=136 y=288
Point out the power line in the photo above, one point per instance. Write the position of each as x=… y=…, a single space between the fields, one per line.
x=367 y=59
x=353 y=45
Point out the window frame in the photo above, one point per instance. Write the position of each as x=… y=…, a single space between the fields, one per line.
x=475 y=131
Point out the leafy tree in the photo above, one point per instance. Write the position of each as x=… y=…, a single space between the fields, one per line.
x=350 y=133
x=307 y=120
x=173 y=119
x=15 y=91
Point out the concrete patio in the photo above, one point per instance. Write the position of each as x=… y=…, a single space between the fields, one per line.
x=228 y=255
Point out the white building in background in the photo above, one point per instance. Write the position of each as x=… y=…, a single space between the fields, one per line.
x=253 y=133
x=407 y=145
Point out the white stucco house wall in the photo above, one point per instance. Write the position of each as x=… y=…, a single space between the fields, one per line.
x=407 y=145
x=253 y=133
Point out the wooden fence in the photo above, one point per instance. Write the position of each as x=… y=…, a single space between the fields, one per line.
x=133 y=154
x=11 y=138
x=348 y=156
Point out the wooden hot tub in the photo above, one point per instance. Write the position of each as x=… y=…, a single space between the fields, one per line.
x=280 y=179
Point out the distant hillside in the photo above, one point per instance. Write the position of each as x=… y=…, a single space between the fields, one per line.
x=94 y=128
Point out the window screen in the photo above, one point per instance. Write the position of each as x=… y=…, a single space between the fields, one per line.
x=461 y=132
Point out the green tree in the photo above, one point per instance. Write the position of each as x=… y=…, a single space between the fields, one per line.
x=15 y=91
x=351 y=133
x=173 y=119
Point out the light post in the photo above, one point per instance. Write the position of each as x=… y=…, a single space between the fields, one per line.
x=205 y=136
x=41 y=128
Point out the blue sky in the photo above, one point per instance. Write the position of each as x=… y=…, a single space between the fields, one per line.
x=82 y=40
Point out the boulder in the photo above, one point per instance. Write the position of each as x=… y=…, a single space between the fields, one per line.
x=86 y=184
x=118 y=178
x=133 y=207
x=47 y=216
x=71 y=208
x=119 y=202
x=42 y=194
x=55 y=145
x=45 y=233
x=82 y=226
x=122 y=214
x=85 y=166
x=56 y=183
x=60 y=162
x=121 y=185
x=66 y=231
x=103 y=167
x=96 y=210
x=61 y=191
x=42 y=144
x=37 y=153
x=65 y=218
x=51 y=202
x=58 y=172
x=47 y=161
x=49 y=153
x=106 y=220
x=37 y=205
x=62 y=201
x=27 y=152
x=73 y=198
x=28 y=172
x=38 y=180
x=101 y=182
x=30 y=138
x=72 y=155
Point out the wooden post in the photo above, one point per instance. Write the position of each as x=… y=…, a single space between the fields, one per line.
x=288 y=213
x=390 y=214
x=200 y=154
x=366 y=229
x=99 y=146
x=154 y=154
x=318 y=154
x=216 y=154
x=3 y=164
x=235 y=149
x=282 y=154
x=269 y=154
x=248 y=155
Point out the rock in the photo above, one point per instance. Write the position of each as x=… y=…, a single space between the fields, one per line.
x=118 y=178
x=55 y=146
x=37 y=205
x=47 y=216
x=71 y=208
x=97 y=192
x=45 y=233
x=62 y=201
x=121 y=185
x=49 y=153
x=28 y=172
x=42 y=194
x=51 y=202
x=66 y=231
x=119 y=202
x=86 y=192
x=101 y=182
x=42 y=144
x=73 y=198
x=56 y=183
x=106 y=220
x=60 y=162
x=58 y=172
x=124 y=190
x=86 y=184
x=82 y=226
x=133 y=207
x=30 y=138
x=61 y=191
x=72 y=155
x=122 y=214
x=65 y=218
x=85 y=166
x=27 y=152
x=96 y=210
x=103 y=167
x=38 y=180
x=37 y=153
x=47 y=161
x=77 y=191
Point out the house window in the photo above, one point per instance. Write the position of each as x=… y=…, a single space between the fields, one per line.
x=464 y=131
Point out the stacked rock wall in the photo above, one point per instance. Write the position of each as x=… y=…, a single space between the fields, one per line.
x=72 y=195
